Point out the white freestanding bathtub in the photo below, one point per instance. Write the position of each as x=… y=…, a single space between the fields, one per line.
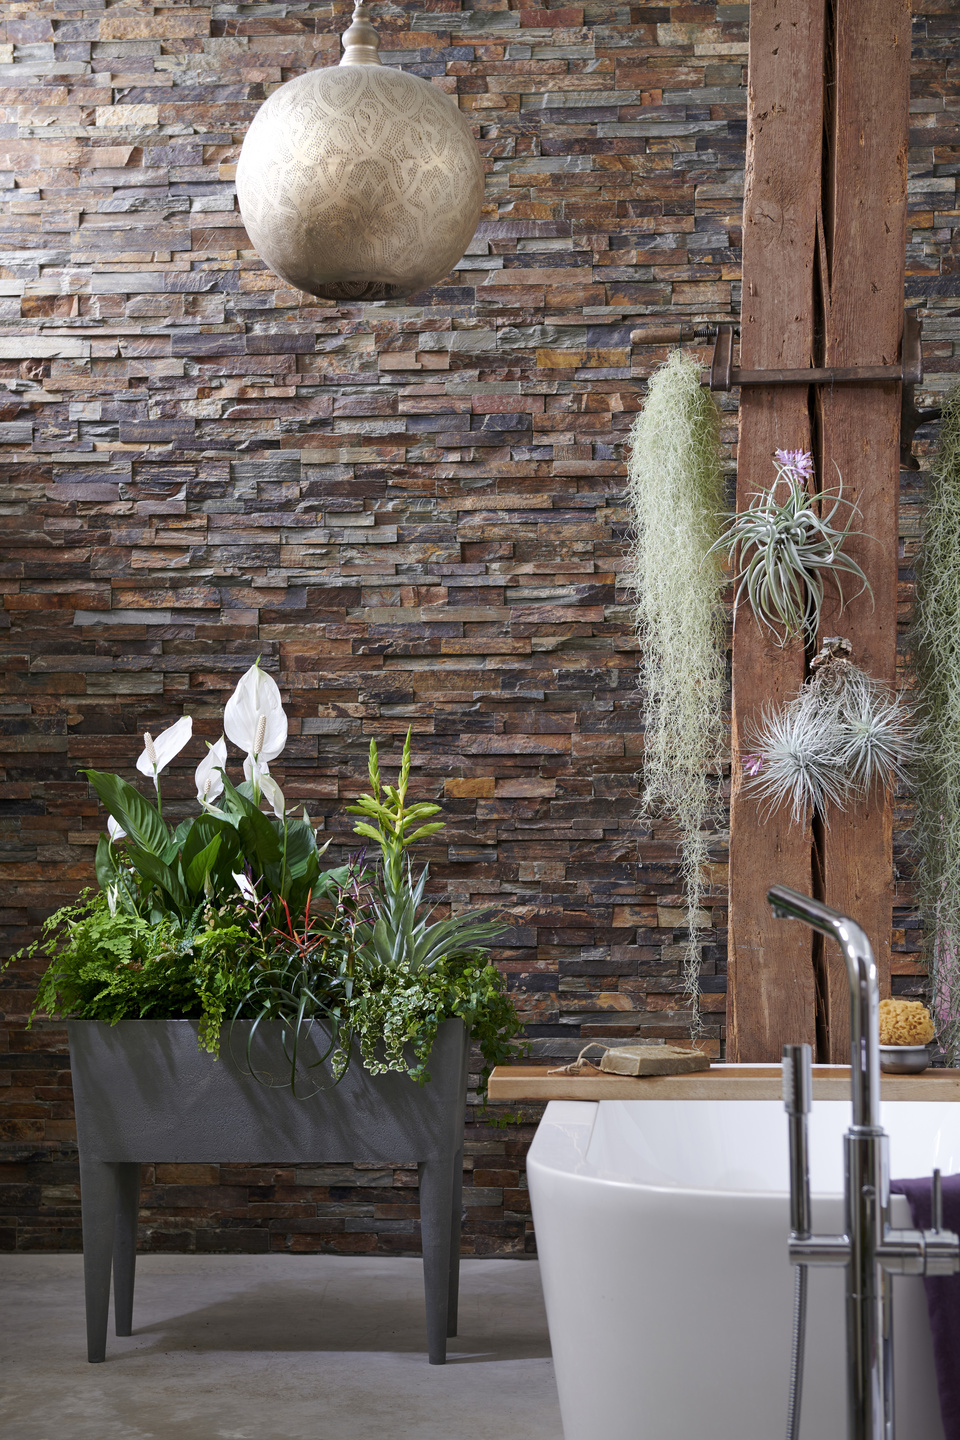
x=662 y=1233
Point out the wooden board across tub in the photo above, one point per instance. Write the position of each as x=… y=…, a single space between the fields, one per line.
x=534 y=1083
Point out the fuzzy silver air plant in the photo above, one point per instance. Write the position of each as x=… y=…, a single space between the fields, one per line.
x=841 y=736
x=788 y=546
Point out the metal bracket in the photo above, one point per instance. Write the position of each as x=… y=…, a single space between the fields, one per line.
x=724 y=375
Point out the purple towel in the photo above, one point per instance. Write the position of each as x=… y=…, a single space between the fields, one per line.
x=943 y=1294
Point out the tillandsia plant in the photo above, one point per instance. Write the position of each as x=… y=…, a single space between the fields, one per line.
x=841 y=736
x=230 y=914
x=677 y=503
x=936 y=649
x=789 y=545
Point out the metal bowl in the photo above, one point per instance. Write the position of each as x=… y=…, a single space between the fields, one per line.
x=904 y=1059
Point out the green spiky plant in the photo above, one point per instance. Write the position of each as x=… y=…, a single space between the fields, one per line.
x=402 y=935
x=788 y=547
x=936 y=648
x=677 y=501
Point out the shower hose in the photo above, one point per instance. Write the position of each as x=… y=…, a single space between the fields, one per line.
x=796 y=1353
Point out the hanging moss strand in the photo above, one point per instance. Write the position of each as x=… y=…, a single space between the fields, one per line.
x=936 y=648
x=676 y=495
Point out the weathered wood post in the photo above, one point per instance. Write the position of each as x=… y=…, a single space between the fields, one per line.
x=823 y=260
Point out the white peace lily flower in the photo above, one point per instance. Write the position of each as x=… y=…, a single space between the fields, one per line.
x=113 y=898
x=254 y=718
x=258 y=773
x=207 y=776
x=115 y=830
x=274 y=794
x=157 y=753
x=245 y=886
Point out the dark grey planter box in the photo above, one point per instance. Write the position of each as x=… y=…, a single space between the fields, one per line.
x=145 y=1094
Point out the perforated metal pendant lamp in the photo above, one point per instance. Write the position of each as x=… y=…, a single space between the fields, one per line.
x=357 y=181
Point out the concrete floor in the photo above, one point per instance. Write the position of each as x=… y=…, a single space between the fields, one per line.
x=275 y=1347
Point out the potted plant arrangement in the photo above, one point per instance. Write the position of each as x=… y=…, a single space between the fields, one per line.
x=230 y=1000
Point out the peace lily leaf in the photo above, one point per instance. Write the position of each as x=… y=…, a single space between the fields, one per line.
x=301 y=846
x=260 y=839
x=105 y=868
x=139 y=819
x=154 y=870
x=331 y=880
x=202 y=830
x=202 y=863
x=182 y=831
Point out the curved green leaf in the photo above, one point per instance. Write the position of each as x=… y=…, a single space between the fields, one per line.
x=202 y=863
x=139 y=818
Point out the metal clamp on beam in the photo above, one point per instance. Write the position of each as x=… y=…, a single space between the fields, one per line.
x=724 y=375
x=668 y=330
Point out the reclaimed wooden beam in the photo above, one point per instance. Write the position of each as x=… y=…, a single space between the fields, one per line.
x=533 y=1084
x=865 y=232
x=771 y=998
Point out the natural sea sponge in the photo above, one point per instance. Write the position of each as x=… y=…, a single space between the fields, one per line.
x=905 y=1022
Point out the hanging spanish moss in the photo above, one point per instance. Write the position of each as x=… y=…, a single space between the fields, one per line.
x=676 y=493
x=936 y=646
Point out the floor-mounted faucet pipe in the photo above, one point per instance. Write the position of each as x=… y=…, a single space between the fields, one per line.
x=797 y=1100
x=864 y=993
x=871 y=1251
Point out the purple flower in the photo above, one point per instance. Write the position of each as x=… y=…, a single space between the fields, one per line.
x=752 y=764
x=799 y=461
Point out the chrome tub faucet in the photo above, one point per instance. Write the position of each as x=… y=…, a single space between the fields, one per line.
x=870 y=1248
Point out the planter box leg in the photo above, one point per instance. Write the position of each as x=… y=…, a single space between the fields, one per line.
x=436 y=1226
x=98 y=1210
x=453 y=1296
x=125 y=1246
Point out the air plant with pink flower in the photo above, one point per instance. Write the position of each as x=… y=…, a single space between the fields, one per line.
x=789 y=546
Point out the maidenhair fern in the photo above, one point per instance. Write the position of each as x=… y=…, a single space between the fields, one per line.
x=676 y=492
x=936 y=644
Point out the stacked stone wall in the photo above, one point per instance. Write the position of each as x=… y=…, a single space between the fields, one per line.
x=414 y=513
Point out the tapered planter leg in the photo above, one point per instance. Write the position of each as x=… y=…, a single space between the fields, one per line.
x=453 y=1291
x=436 y=1215
x=98 y=1209
x=125 y=1246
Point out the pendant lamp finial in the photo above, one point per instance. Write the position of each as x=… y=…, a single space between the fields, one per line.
x=360 y=41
